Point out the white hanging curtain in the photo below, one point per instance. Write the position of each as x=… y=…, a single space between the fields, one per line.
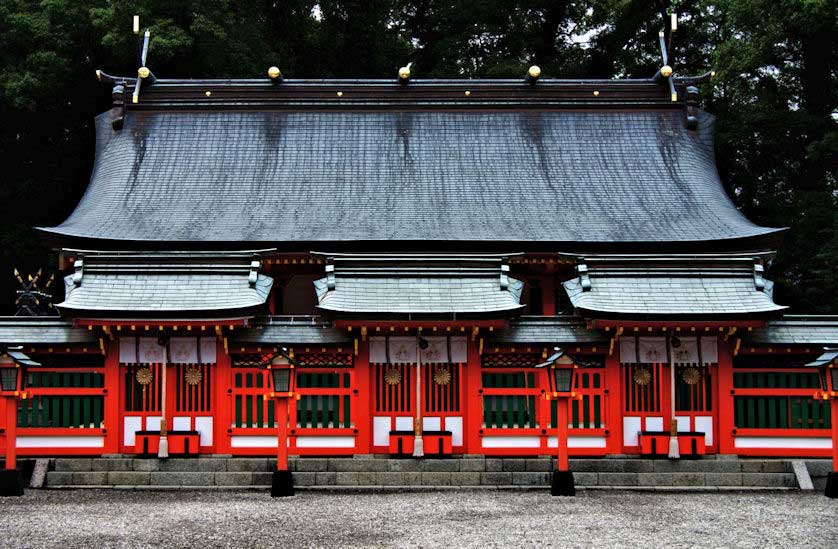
x=184 y=350
x=651 y=350
x=402 y=350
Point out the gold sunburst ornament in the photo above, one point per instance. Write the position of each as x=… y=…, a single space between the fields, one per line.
x=642 y=376
x=691 y=376
x=193 y=376
x=144 y=376
x=392 y=376
x=442 y=376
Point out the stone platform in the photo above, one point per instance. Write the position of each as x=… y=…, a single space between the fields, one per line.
x=374 y=472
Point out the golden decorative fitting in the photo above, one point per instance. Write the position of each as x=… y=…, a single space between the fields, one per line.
x=596 y=93
x=143 y=72
x=404 y=73
x=642 y=376
x=666 y=71
x=468 y=93
x=534 y=71
x=442 y=376
x=274 y=72
x=193 y=376
x=392 y=376
x=208 y=93
x=144 y=376
x=340 y=94
x=691 y=376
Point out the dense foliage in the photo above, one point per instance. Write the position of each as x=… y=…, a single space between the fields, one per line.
x=775 y=91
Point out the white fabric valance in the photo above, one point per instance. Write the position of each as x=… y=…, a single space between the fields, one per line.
x=402 y=350
x=653 y=350
x=182 y=350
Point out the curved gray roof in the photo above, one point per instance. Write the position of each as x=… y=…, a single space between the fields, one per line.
x=543 y=176
x=651 y=286
x=165 y=285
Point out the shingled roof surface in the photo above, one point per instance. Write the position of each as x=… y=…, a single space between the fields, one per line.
x=165 y=285
x=547 y=330
x=291 y=331
x=420 y=284
x=803 y=330
x=670 y=286
x=19 y=330
x=342 y=174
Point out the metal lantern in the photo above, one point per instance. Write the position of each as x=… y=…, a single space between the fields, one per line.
x=9 y=373
x=826 y=364
x=281 y=374
x=562 y=378
x=561 y=374
x=10 y=366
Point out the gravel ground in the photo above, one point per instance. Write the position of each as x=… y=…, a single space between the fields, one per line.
x=429 y=519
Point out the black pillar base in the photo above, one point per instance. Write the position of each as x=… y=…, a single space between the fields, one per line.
x=831 y=485
x=563 y=484
x=283 y=484
x=11 y=483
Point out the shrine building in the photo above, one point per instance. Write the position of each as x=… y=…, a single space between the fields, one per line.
x=417 y=253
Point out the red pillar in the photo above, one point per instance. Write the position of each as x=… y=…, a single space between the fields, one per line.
x=834 y=407
x=563 y=460
x=363 y=403
x=223 y=400
x=282 y=434
x=725 y=418
x=614 y=417
x=11 y=432
x=473 y=421
x=113 y=418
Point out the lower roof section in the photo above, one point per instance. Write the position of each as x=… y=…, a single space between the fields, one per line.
x=165 y=285
x=671 y=286
x=279 y=330
x=421 y=284
x=39 y=330
x=547 y=330
x=797 y=330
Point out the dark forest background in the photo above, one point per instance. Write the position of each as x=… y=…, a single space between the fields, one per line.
x=775 y=92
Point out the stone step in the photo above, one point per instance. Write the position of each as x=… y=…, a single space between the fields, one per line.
x=612 y=480
x=375 y=464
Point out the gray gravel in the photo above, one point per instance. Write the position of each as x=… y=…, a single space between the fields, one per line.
x=455 y=519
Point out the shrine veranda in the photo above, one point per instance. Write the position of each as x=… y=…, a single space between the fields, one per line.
x=412 y=251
